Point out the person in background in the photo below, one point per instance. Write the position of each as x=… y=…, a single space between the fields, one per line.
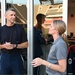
x=38 y=39
x=57 y=58
x=12 y=39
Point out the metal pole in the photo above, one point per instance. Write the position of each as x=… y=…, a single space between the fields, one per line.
x=3 y=8
x=30 y=36
x=65 y=12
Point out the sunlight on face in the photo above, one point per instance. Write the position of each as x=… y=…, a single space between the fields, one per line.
x=51 y=29
x=10 y=16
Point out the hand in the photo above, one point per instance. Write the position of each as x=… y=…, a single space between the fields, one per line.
x=37 y=62
x=8 y=46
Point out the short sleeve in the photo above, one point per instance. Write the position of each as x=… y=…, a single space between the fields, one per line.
x=61 y=52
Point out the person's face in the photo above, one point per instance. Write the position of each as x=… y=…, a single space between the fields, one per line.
x=52 y=30
x=43 y=19
x=10 y=16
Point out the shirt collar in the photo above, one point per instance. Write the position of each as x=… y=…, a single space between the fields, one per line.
x=57 y=40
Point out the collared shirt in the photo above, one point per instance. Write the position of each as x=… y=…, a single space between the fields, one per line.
x=57 y=52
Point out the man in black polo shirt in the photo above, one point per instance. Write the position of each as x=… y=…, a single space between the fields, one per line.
x=12 y=39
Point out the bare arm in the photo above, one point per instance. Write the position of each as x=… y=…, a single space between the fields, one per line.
x=22 y=45
x=10 y=46
x=61 y=66
x=7 y=46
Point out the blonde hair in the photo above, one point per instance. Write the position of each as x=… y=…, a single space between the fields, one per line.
x=61 y=27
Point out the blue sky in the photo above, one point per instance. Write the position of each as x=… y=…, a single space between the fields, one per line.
x=21 y=1
x=25 y=1
x=36 y=2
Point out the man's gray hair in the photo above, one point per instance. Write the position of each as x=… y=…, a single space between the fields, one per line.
x=10 y=9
